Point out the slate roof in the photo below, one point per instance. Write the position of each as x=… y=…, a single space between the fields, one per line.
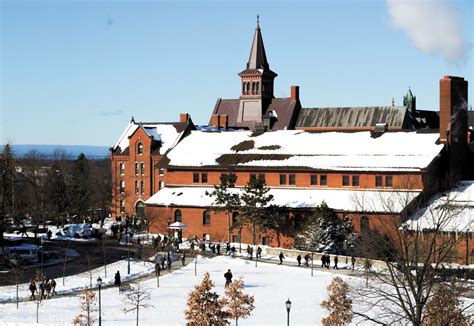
x=285 y=110
x=343 y=118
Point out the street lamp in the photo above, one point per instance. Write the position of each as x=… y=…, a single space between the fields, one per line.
x=128 y=241
x=288 y=307
x=99 y=284
x=42 y=260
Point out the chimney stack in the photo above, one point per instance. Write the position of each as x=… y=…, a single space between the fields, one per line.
x=184 y=117
x=453 y=109
x=295 y=93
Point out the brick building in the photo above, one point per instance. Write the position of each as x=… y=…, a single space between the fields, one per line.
x=356 y=159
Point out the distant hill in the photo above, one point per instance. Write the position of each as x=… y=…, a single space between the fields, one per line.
x=92 y=152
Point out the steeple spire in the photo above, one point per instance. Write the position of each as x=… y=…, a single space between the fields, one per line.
x=258 y=58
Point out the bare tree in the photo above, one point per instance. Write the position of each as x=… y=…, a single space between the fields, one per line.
x=136 y=299
x=399 y=293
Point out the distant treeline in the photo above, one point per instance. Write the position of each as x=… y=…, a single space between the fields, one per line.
x=69 y=151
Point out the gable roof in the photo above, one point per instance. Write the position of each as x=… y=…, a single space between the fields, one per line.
x=167 y=133
x=344 y=118
x=356 y=151
x=284 y=109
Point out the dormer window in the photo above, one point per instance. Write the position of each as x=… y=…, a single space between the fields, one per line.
x=139 y=149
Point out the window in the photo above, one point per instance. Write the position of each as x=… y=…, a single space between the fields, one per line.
x=162 y=185
x=137 y=189
x=162 y=171
x=206 y=217
x=253 y=177
x=122 y=206
x=378 y=181
x=282 y=179
x=323 y=180
x=345 y=180
x=122 y=168
x=364 y=224
x=314 y=179
x=178 y=216
x=388 y=181
x=235 y=218
x=355 y=181
x=139 y=149
x=195 y=177
x=204 y=177
x=235 y=238
x=292 y=179
x=265 y=241
x=257 y=86
x=137 y=168
x=143 y=187
x=122 y=186
x=142 y=168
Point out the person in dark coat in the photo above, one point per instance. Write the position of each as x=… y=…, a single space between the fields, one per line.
x=259 y=252
x=306 y=260
x=162 y=260
x=228 y=277
x=336 y=260
x=218 y=249
x=227 y=248
x=53 y=286
x=281 y=256
x=328 y=261
x=157 y=269
x=353 y=261
x=117 y=280
x=32 y=289
x=183 y=258
x=23 y=232
x=298 y=259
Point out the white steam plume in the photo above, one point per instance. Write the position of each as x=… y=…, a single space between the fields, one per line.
x=432 y=25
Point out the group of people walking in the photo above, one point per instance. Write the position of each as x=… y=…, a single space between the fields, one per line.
x=45 y=288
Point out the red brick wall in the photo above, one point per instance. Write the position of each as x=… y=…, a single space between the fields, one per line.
x=302 y=179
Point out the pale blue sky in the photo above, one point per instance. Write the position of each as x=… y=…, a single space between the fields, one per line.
x=74 y=72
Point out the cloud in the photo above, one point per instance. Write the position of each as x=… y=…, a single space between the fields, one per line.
x=432 y=25
x=111 y=113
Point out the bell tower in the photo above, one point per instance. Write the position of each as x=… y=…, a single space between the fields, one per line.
x=256 y=82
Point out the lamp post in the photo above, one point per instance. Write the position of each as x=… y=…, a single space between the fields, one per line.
x=42 y=262
x=288 y=307
x=128 y=242
x=99 y=284
x=169 y=222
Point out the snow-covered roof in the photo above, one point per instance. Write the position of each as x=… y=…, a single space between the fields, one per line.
x=166 y=133
x=356 y=151
x=339 y=199
x=452 y=211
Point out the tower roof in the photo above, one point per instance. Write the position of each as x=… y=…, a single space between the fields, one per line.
x=258 y=57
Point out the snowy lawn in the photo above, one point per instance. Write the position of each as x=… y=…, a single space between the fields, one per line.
x=271 y=285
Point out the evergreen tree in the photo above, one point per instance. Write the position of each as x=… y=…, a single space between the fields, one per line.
x=56 y=191
x=239 y=304
x=80 y=190
x=255 y=208
x=338 y=304
x=325 y=231
x=204 y=307
x=224 y=198
x=444 y=309
x=6 y=187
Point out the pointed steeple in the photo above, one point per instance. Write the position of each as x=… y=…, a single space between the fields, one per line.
x=410 y=101
x=257 y=58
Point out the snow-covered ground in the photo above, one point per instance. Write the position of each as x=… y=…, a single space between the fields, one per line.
x=271 y=285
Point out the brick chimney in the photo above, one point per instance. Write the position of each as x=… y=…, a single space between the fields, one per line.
x=184 y=117
x=220 y=121
x=453 y=109
x=295 y=93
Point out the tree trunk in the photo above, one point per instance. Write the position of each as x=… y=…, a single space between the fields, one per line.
x=138 y=307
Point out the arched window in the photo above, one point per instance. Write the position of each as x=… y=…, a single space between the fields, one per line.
x=364 y=224
x=206 y=217
x=178 y=217
x=235 y=218
x=139 y=149
x=140 y=210
x=257 y=86
x=247 y=88
x=253 y=87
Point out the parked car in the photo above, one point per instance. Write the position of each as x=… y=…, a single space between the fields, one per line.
x=77 y=231
x=28 y=252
